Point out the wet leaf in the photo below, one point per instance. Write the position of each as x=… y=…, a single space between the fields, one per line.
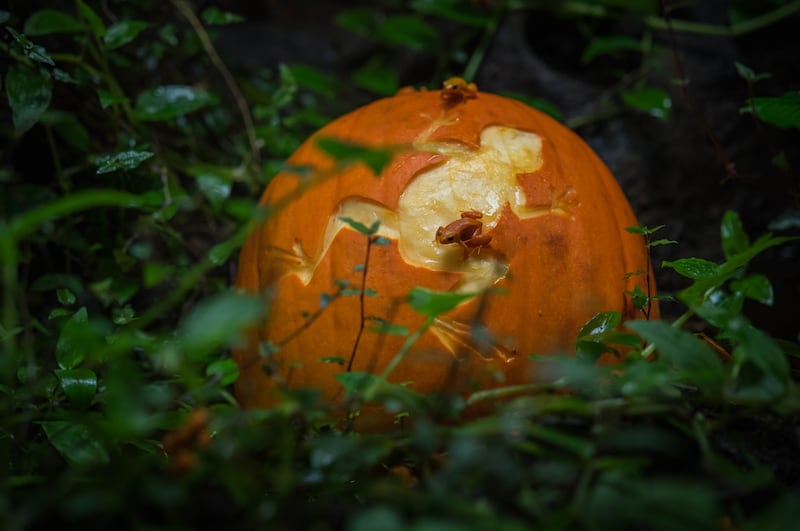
x=600 y=324
x=694 y=268
x=79 y=385
x=123 y=32
x=169 y=101
x=652 y=101
x=31 y=50
x=29 y=91
x=75 y=442
x=127 y=160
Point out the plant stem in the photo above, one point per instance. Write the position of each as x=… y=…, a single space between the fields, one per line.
x=370 y=392
x=475 y=60
x=361 y=304
x=216 y=60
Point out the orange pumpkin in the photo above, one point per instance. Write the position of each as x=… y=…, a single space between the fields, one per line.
x=483 y=195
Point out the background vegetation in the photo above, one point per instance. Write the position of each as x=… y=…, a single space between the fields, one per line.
x=133 y=155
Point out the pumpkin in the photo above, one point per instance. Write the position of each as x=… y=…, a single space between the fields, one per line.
x=483 y=196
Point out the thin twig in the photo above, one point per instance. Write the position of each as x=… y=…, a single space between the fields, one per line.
x=241 y=101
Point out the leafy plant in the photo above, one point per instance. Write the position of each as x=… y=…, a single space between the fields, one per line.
x=132 y=158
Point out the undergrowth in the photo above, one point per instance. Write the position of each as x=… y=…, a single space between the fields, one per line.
x=133 y=158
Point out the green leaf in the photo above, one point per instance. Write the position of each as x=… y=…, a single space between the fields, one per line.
x=345 y=153
x=600 y=324
x=52 y=281
x=359 y=20
x=224 y=371
x=107 y=98
x=540 y=104
x=216 y=187
x=645 y=6
x=748 y=74
x=338 y=360
x=384 y=327
x=79 y=385
x=644 y=229
x=154 y=273
x=75 y=442
x=65 y=296
x=691 y=356
x=214 y=16
x=756 y=287
x=605 y=45
x=123 y=32
x=360 y=227
x=127 y=160
x=217 y=322
x=734 y=238
x=355 y=383
x=70 y=348
x=662 y=241
x=695 y=294
x=314 y=79
x=757 y=347
x=652 y=101
x=781 y=111
x=48 y=21
x=31 y=50
x=169 y=101
x=410 y=31
x=95 y=22
x=377 y=77
x=599 y=335
x=433 y=303
x=694 y=268
x=29 y=91
x=455 y=10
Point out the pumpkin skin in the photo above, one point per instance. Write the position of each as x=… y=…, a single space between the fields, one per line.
x=558 y=253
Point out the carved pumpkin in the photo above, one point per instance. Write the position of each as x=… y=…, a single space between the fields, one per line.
x=484 y=195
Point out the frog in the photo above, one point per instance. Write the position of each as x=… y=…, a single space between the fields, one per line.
x=467 y=231
x=456 y=90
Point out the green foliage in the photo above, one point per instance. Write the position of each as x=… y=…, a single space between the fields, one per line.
x=132 y=160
